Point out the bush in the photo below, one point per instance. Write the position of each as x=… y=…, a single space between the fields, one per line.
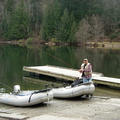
x=54 y=40
x=113 y=36
x=29 y=40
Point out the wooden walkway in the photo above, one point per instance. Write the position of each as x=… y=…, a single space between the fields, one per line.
x=70 y=74
x=115 y=82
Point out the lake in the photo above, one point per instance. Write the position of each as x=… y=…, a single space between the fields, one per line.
x=14 y=57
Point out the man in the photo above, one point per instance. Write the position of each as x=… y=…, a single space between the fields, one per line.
x=86 y=70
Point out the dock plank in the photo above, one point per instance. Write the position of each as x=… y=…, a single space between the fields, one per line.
x=114 y=82
x=67 y=73
x=108 y=79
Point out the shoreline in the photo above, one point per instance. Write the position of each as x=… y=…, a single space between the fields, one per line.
x=103 y=45
x=96 y=108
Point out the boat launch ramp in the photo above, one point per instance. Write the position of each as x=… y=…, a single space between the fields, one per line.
x=71 y=74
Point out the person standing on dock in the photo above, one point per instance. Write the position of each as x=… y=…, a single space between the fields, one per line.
x=86 y=70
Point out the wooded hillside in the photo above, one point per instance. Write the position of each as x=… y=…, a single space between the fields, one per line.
x=60 y=20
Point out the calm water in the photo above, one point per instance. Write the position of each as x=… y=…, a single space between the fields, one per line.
x=14 y=57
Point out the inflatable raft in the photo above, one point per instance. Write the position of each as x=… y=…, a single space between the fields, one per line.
x=74 y=90
x=26 y=98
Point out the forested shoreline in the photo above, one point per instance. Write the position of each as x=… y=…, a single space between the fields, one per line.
x=65 y=21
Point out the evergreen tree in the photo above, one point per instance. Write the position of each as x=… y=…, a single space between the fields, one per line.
x=35 y=15
x=66 y=27
x=111 y=17
x=62 y=33
x=18 y=24
x=50 y=20
x=73 y=28
x=82 y=8
x=8 y=7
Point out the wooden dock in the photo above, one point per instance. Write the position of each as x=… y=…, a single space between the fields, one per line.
x=114 y=82
x=70 y=74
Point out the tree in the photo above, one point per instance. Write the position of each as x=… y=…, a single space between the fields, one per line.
x=62 y=33
x=50 y=20
x=8 y=7
x=35 y=15
x=78 y=7
x=97 y=28
x=66 y=27
x=18 y=24
x=90 y=29
x=111 y=17
x=83 y=33
x=73 y=29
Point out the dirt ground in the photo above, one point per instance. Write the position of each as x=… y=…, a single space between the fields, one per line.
x=96 y=108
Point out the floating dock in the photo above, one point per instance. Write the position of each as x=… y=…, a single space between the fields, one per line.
x=70 y=74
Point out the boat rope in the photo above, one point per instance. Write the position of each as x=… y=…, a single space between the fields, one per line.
x=6 y=85
x=30 y=97
x=39 y=91
x=58 y=59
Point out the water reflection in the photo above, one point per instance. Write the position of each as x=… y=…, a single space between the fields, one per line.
x=14 y=57
x=103 y=60
x=107 y=92
x=42 y=82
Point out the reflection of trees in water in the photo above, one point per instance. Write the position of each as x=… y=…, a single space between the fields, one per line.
x=104 y=61
x=10 y=62
x=93 y=56
x=112 y=61
x=62 y=56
